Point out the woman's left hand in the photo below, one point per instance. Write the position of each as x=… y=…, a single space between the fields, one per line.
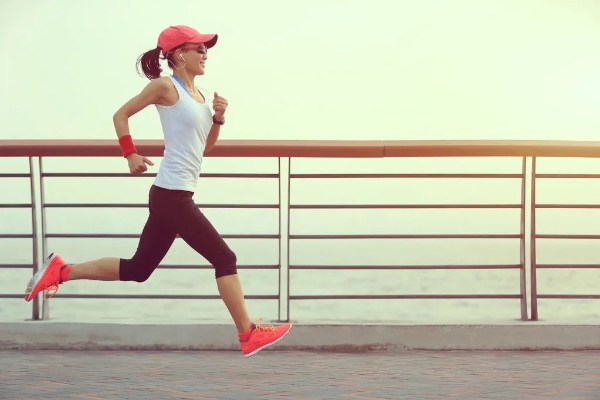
x=219 y=105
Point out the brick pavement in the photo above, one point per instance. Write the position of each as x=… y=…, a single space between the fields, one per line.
x=92 y=375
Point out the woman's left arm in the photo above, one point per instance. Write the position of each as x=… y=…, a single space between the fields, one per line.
x=220 y=106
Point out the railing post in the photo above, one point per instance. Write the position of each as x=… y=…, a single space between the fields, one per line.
x=45 y=301
x=287 y=236
x=523 y=271
x=532 y=229
x=35 y=312
x=284 y=248
x=280 y=241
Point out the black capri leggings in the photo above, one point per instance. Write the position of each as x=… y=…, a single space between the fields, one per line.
x=174 y=212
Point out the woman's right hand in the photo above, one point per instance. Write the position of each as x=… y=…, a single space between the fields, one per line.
x=137 y=163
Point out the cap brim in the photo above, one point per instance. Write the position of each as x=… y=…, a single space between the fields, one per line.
x=209 y=39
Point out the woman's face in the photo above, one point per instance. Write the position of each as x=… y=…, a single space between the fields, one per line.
x=195 y=56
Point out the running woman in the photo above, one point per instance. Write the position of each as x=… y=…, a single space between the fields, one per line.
x=190 y=130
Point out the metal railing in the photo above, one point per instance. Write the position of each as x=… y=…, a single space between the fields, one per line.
x=535 y=266
x=35 y=313
x=522 y=294
x=44 y=176
x=285 y=152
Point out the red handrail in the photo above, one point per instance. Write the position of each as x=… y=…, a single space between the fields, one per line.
x=491 y=148
x=314 y=148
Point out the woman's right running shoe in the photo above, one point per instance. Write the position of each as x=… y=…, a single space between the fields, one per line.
x=47 y=278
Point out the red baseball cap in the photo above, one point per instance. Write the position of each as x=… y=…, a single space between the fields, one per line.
x=177 y=35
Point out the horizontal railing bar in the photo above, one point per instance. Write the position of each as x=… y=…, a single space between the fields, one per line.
x=424 y=236
x=12 y=296
x=384 y=175
x=16 y=266
x=159 y=296
x=404 y=296
x=137 y=236
x=134 y=205
x=16 y=205
x=559 y=236
x=15 y=175
x=403 y=267
x=567 y=266
x=573 y=176
x=567 y=206
x=16 y=236
x=200 y=267
x=149 y=175
x=569 y=296
x=398 y=206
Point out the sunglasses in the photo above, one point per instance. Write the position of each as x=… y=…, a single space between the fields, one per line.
x=199 y=48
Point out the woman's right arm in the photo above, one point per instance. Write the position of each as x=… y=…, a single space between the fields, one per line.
x=154 y=93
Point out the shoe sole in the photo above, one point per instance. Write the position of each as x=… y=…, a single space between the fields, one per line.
x=268 y=344
x=29 y=297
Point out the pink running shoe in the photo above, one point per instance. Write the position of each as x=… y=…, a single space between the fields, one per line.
x=259 y=337
x=47 y=278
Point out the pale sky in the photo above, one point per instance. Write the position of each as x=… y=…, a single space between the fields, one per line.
x=316 y=69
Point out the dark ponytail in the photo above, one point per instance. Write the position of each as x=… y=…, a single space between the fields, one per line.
x=149 y=63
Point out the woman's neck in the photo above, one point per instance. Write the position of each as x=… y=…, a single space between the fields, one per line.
x=186 y=79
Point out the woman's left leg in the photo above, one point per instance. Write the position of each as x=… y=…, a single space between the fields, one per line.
x=197 y=231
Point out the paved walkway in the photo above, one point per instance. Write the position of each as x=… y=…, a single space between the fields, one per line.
x=299 y=375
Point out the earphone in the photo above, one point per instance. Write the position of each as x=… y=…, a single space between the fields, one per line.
x=180 y=56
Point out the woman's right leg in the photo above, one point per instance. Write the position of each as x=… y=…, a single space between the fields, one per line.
x=102 y=269
x=156 y=239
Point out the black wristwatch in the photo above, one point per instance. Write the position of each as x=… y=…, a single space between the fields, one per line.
x=221 y=122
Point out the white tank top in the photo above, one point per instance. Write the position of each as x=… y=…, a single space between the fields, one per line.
x=185 y=125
